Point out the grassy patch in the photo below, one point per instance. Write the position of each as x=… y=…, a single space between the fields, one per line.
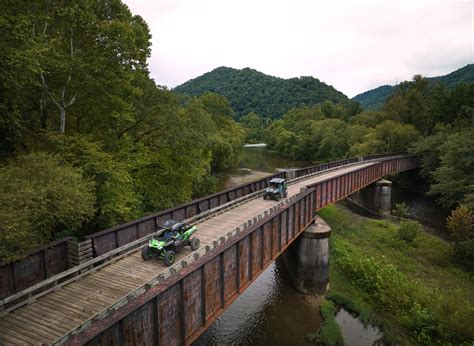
x=330 y=333
x=416 y=293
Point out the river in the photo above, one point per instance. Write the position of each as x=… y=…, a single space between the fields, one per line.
x=270 y=311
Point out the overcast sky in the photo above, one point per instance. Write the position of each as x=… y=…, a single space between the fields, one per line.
x=351 y=45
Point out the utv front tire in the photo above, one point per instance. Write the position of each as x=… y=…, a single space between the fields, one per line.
x=170 y=256
x=195 y=244
x=146 y=253
x=265 y=196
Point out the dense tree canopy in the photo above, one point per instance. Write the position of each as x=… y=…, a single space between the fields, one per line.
x=424 y=117
x=78 y=106
x=252 y=91
x=374 y=99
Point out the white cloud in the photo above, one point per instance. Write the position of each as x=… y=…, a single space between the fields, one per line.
x=352 y=45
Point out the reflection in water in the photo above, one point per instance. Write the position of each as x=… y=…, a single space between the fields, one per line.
x=268 y=312
x=255 y=163
x=354 y=332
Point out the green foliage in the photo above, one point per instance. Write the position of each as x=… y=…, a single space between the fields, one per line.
x=387 y=137
x=252 y=91
x=40 y=196
x=461 y=224
x=375 y=98
x=254 y=126
x=408 y=231
x=330 y=333
x=404 y=286
x=463 y=252
x=352 y=306
x=453 y=178
x=137 y=146
x=401 y=210
x=313 y=133
x=226 y=136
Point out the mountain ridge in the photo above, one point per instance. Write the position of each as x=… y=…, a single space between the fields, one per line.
x=249 y=90
x=374 y=98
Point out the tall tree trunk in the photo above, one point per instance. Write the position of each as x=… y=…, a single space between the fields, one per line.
x=62 y=127
x=43 y=113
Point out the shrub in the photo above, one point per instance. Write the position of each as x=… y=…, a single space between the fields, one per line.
x=401 y=210
x=463 y=252
x=330 y=333
x=408 y=231
x=460 y=224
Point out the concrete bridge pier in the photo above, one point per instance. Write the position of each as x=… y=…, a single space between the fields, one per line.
x=375 y=198
x=307 y=260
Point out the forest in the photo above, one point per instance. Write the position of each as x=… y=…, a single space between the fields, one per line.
x=87 y=139
x=421 y=117
x=251 y=91
x=374 y=99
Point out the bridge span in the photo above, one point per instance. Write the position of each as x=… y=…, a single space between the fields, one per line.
x=124 y=300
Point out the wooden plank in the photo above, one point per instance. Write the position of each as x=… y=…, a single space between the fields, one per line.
x=53 y=308
x=129 y=275
x=126 y=271
x=86 y=307
x=42 y=320
x=49 y=332
x=82 y=304
x=12 y=337
x=87 y=298
x=18 y=332
x=72 y=309
x=58 y=313
x=112 y=290
x=106 y=280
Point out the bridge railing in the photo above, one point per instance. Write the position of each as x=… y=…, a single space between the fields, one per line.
x=115 y=237
x=42 y=263
x=324 y=166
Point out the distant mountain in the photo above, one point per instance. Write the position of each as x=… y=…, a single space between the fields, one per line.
x=374 y=99
x=249 y=90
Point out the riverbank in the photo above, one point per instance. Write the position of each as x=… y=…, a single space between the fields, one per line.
x=414 y=293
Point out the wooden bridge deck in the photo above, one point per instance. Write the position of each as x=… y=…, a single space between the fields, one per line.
x=57 y=313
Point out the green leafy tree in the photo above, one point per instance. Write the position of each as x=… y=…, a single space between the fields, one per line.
x=254 y=126
x=460 y=224
x=40 y=197
x=401 y=210
x=389 y=136
x=453 y=178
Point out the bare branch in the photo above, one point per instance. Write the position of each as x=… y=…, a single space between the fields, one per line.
x=72 y=46
x=72 y=101
x=47 y=91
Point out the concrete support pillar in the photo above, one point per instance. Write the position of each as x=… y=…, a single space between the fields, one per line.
x=383 y=192
x=307 y=259
x=375 y=198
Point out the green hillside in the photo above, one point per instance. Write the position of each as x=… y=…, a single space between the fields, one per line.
x=251 y=91
x=373 y=99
